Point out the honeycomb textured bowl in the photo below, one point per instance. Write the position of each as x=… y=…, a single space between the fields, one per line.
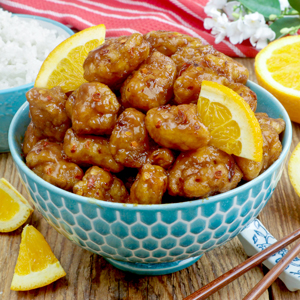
x=11 y=99
x=152 y=239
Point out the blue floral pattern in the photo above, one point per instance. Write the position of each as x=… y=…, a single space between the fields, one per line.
x=255 y=238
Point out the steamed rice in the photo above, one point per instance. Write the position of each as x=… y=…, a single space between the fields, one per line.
x=24 y=46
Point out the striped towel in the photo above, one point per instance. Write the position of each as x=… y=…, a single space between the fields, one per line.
x=123 y=17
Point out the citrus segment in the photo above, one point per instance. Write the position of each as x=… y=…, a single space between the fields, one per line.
x=14 y=208
x=63 y=66
x=277 y=70
x=230 y=120
x=36 y=265
x=294 y=169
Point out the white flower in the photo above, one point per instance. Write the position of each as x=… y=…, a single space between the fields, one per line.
x=261 y=37
x=284 y=4
x=218 y=26
x=237 y=31
x=212 y=7
x=251 y=26
x=255 y=20
x=229 y=9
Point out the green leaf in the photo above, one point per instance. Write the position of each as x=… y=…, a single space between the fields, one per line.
x=264 y=7
x=283 y=23
x=295 y=4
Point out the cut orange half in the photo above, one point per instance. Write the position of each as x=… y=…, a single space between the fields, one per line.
x=14 y=208
x=36 y=265
x=64 y=65
x=294 y=169
x=230 y=120
x=277 y=70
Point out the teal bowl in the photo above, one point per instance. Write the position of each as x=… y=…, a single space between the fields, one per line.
x=152 y=239
x=11 y=99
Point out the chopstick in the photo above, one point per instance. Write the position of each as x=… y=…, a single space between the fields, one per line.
x=242 y=268
x=271 y=276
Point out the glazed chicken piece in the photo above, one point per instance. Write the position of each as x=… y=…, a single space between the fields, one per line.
x=101 y=185
x=248 y=95
x=208 y=57
x=69 y=103
x=32 y=136
x=271 y=150
x=48 y=160
x=167 y=42
x=114 y=60
x=162 y=157
x=277 y=124
x=87 y=150
x=151 y=85
x=186 y=56
x=202 y=173
x=149 y=186
x=177 y=127
x=227 y=67
x=94 y=110
x=129 y=141
x=187 y=86
x=48 y=113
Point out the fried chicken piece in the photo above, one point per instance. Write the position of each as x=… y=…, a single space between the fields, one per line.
x=149 y=186
x=48 y=113
x=100 y=184
x=167 y=42
x=202 y=173
x=186 y=56
x=208 y=57
x=69 y=103
x=187 y=86
x=95 y=109
x=277 y=124
x=177 y=127
x=129 y=141
x=48 y=160
x=227 y=67
x=114 y=60
x=271 y=150
x=248 y=95
x=151 y=85
x=90 y=150
x=32 y=136
x=162 y=157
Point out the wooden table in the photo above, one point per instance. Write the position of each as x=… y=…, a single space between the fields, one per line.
x=89 y=276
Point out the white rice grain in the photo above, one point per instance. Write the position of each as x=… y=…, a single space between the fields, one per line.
x=24 y=46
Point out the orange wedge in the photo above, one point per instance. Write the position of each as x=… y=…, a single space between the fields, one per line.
x=36 y=265
x=14 y=208
x=63 y=66
x=277 y=70
x=230 y=120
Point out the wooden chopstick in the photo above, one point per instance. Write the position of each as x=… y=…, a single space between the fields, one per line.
x=272 y=275
x=242 y=268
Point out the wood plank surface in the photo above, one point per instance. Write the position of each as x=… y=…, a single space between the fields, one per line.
x=89 y=276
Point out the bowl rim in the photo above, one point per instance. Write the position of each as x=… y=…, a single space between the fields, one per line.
x=25 y=16
x=158 y=207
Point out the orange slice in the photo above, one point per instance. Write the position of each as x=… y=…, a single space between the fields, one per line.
x=63 y=66
x=277 y=70
x=230 y=120
x=36 y=265
x=14 y=208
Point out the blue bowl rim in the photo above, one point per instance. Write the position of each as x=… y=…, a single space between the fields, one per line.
x=157 y=207
x=30 y=84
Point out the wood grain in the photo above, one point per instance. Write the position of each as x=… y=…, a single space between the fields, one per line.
x=90 y=277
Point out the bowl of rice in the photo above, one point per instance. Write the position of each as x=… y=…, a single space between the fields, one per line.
x=25 y=42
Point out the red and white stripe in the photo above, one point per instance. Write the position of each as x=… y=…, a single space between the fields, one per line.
x=123 y=17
